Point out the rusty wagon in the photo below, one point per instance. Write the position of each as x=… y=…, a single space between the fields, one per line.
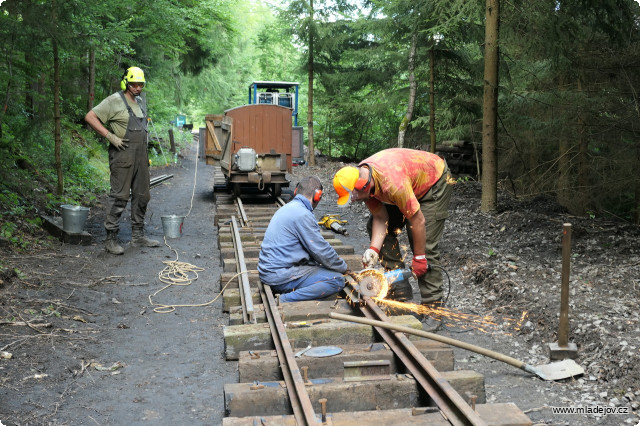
x=256 y=145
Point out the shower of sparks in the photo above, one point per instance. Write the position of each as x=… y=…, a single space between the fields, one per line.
x=484 y=323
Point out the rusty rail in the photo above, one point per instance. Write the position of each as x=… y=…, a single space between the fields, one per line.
x=298 y=396
x=243 y=214
x=450 y=403
x=248 y=312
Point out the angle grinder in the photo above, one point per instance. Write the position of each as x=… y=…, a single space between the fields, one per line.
x=375 y=284
x=398 y=274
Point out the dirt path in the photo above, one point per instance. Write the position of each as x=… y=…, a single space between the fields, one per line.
x=160 y=368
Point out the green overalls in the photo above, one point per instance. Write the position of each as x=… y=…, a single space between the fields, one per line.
x=129 y=174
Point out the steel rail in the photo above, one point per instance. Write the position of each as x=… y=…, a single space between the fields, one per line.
x=298 y=396
x=243 y=214
x=450 y=403
x=248 y=311
x=296 y=389
x=159 y=179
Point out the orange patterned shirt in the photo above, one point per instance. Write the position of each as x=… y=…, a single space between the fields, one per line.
x=402 y=176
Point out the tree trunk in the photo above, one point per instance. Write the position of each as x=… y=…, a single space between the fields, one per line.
x=7 y=94
x=177 y=84
x=56 y=102
x=312 y=154
x=432 y=95
x=583 y=162
x=32 y=87
x=564 y=171
x=564 y=164
x=41 y=104
x=92 y=78
x=489 y=197
x=636 y=214
x=413 y=88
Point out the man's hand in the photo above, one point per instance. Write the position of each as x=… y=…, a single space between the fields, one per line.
x=370 y=257
x=419 y=265
x=118 y=143
x=349 y=273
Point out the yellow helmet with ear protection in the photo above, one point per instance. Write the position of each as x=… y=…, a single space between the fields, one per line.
x=132 y=75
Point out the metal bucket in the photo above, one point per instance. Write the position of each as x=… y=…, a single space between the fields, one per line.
x=73 y=218
x=172 y=226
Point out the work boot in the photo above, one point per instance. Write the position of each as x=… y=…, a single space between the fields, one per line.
x=111 y=244
x=139 y=240
x=432 y=322
x=400 y=290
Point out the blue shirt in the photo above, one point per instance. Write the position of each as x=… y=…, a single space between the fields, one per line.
x=293 y=245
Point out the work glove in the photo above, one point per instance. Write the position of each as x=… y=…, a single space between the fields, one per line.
x=118 y=143
x=419 y=265
x=370 y=257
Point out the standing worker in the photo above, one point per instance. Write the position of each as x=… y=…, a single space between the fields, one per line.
x=401 y=186
x=125 y=115
x=295 y=260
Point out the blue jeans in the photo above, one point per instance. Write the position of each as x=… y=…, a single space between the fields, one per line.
x=319 y=284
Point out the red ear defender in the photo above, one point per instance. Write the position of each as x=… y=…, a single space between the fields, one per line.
x=317 y=195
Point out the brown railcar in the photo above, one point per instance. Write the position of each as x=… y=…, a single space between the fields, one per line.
x=255 y=145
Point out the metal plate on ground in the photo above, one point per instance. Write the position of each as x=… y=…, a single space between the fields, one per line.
x=323 y=351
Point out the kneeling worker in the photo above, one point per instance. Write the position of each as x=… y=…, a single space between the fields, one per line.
x=295 y=260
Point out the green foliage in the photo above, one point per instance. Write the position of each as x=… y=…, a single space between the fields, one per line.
x=19 y=274
x=27 y=176
x=160 y=148
x=11 y=232
x=50 y=311
x=568 y=79
x=7 y=230
x=10 y=203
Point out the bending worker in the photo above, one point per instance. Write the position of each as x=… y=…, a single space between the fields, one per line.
x=122 y=119
x=402 y=187
x=295 y=260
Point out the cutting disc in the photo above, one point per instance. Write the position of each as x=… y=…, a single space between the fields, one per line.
x=371 y=283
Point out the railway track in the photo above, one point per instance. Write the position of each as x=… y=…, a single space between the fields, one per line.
x=297 y=366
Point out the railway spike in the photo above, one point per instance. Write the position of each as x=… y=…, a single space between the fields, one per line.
x=323 y=403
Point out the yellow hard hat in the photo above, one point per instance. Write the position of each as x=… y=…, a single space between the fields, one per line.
x=344 y=181
x=132 y=75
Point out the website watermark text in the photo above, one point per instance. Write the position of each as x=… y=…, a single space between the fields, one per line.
x=598 y=410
